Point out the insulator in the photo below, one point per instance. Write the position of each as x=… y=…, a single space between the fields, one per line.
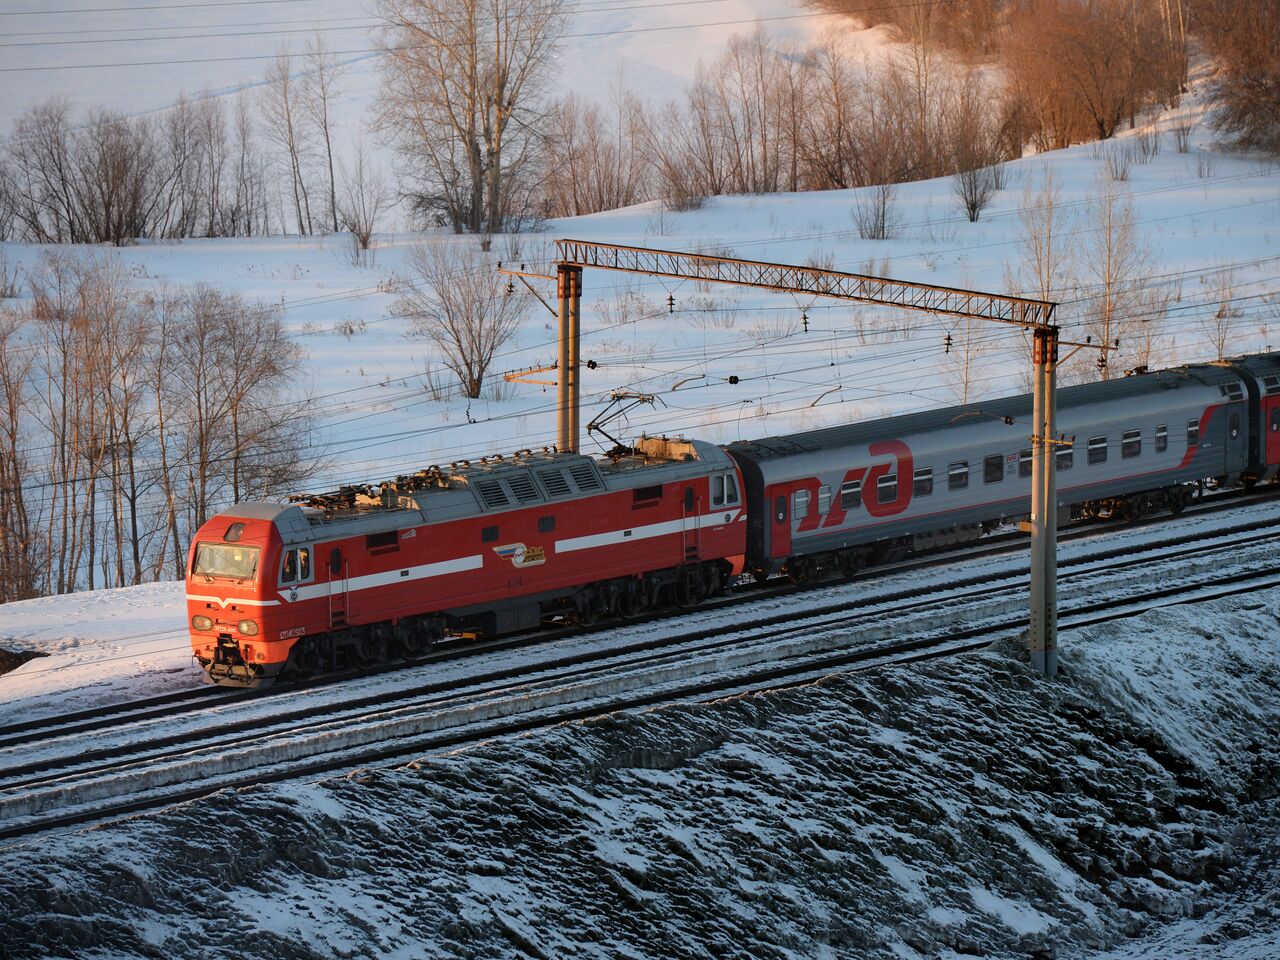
x=804 y=320
x=1102 y=361
x=591 y=364
x=671 y=303
x=511 y=287
x=733 y=379
x=946 y=344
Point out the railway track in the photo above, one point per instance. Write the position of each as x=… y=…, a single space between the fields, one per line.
x=719 y=659
x=200 y=699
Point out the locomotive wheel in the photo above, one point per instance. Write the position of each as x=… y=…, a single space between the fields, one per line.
x=690 y=590
x=848 y=562
x=590 y=609
x=801 y=570
x=630 y=603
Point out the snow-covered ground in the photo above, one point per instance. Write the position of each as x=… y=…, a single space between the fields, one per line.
x=948 y=809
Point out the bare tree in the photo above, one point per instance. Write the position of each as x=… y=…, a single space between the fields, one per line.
x=460 y=99
x=364 y=196
x=1244 y=40
x=974 y=189
x=22 y=551
x=968 y=344
x=246 y=209
x=875 y=213
x=597 y=157
x=1119 y=260
x=455 y=301
x=285 y=128
x=1220 y=326
x=318 y=93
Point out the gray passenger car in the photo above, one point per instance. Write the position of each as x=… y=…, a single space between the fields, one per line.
x=863 y=493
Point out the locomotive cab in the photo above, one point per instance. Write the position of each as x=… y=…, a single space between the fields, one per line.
x=235 y=568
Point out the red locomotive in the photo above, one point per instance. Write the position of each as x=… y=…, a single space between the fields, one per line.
x=364 y=575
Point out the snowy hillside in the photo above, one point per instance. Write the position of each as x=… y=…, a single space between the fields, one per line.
x=1210 y=223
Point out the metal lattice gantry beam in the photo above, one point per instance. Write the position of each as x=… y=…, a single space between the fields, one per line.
x=790 y=278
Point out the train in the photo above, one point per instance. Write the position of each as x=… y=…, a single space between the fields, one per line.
x=371 y=574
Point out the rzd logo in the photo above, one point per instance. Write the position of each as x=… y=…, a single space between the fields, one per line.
x=522 y=556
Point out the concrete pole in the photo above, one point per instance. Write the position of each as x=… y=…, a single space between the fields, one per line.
x=569 y=298
x=1043 y=633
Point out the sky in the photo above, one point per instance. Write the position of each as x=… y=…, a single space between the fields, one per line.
x=135 y=56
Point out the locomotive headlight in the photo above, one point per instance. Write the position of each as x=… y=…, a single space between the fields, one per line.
x=248 y=628
x=199 y=622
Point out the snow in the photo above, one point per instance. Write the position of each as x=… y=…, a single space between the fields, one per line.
x=841 y=818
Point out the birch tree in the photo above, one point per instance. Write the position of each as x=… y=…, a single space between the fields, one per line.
x=460 y=97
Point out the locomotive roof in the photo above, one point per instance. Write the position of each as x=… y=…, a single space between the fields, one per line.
x=492 y=485
x=889 y=428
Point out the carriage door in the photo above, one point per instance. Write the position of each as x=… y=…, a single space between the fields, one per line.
x=1237 y=454
x=689 y=527
x=337 y=589
x=778 y=498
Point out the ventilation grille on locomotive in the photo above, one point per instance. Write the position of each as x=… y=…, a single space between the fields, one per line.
x=521 y=485
x=555 y=482
x=584 y=476
x=492 y=494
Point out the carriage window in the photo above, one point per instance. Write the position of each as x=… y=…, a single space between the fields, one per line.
x=851 y=493
x=922 y=482
x=1097 y=450
x=958 y=475
x=717 y=491
x=1024 y=463
x=1066 y=456
x=1131 y=444
x=1162 y=438
x=802 y=504
x=824 y=500
x=730 y=490
x=1193 y=432
x=488 y=534
x=993 y=468
x=546 y=524
x=1233 y=425
x=887 y=488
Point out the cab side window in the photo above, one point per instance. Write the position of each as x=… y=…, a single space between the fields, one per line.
x=295 y=566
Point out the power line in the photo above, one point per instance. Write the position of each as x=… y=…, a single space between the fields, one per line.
x=353 y=23
x=588 y=35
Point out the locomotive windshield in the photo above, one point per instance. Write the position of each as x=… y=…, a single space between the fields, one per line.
x=230 y=560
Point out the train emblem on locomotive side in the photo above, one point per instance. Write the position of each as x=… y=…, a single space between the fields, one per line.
x=522 y=556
